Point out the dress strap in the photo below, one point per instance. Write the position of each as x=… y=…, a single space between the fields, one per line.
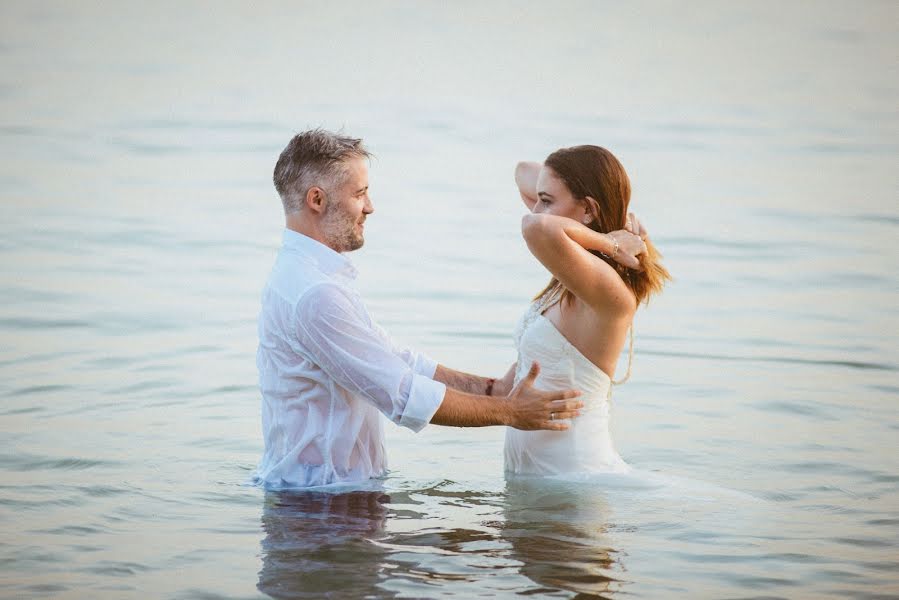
x=539 y=306
x=630 y=360
x=546 y=302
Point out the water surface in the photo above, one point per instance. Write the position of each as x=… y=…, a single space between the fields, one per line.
x=138 y=224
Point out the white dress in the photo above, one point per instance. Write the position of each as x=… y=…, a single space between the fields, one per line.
x=586 y=447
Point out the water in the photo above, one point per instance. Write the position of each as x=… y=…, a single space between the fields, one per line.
x=139 y=223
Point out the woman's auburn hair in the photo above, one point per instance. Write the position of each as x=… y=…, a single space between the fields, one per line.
x=594 y=171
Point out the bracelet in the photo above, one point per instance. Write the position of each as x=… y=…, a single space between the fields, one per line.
x=615 y=251
x=490 y=382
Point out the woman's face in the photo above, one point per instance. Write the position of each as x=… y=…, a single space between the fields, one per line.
x=554 y=198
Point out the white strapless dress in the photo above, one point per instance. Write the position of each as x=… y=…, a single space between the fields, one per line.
x=586 y=447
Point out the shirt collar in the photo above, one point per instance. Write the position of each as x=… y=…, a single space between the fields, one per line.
x=327 y=260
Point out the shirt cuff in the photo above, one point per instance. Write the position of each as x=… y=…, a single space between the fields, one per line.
x=425 y=365
x=425 y=397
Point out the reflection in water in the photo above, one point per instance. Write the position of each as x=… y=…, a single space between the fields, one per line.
x=549 y=537
x=319 y=544
x=557 y=530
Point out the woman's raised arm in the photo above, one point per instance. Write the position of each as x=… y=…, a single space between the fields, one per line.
x=526 y=179
x=563 y=246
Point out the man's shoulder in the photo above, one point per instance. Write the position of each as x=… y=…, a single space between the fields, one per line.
x=292 y=278
x=324 y=296
x=299 y=287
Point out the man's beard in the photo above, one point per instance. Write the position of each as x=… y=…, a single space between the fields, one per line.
x=339 y=229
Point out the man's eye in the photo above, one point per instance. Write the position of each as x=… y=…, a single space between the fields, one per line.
x=544 y=200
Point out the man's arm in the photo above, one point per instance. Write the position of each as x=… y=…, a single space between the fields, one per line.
x=475 y=384
x=524 y=408
x=334 y=331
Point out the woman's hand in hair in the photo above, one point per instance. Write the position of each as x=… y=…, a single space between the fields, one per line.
x=630 y=246
x=636 y=227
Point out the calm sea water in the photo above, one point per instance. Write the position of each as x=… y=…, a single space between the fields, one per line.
x=138 y=224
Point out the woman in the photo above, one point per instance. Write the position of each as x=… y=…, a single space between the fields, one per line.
x=578 y=324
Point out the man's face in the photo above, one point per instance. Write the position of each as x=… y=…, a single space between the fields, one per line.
x=346 y=209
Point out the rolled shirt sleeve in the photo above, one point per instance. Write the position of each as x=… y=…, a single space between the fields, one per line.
x=425 y=365
x=337 y=333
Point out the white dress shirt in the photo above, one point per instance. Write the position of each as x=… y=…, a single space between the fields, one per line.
x=326 y=370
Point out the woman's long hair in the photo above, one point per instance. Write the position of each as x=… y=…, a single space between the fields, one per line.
x=595 y=172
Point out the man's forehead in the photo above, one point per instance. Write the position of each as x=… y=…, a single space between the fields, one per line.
x=356 y=174
x=357 y=167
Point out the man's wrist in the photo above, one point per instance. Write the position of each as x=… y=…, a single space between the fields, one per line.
x=503 y=410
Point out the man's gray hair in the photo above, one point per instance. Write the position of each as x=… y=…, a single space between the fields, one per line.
x=314 y=158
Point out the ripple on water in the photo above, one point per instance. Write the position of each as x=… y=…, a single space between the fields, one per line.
x=865 y=542
x=38 y=497
x=885 y=478
x=796 y=408
x=39 y=389
x=143 y=386
x=834 y=468
x=76 y=530
x=889 y=389
x=111 y=362
x=852 y=364
x=46 y=588
x=889 y=566
x=23 y=411
x=35 y=358
x=29 y=324
x=116 y=568
x=779 y=496
x=230 y=389
x=31 y=462
x=104 y=491
x=761 y=582
x=877 y=218
x=883 y=522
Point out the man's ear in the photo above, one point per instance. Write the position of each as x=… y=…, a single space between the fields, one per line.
x=315 y=199
x=591 y=210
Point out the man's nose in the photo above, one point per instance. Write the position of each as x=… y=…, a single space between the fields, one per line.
x=368 y=207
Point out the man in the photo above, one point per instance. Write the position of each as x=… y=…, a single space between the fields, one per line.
x=326 y=369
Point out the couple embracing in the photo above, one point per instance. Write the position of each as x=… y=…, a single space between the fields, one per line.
x=327 y=371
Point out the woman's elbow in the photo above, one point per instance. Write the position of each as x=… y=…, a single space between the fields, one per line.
x=533 y=226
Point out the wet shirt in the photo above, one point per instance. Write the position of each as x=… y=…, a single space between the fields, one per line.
x=327 y=372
